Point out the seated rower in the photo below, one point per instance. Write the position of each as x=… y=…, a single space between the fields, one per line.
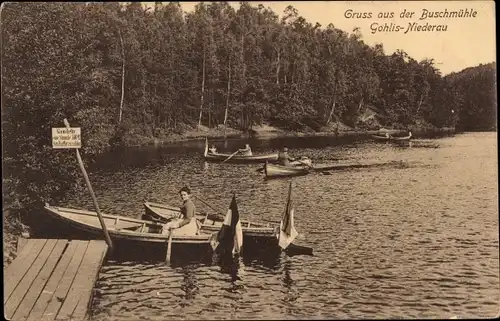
x=212 y=149
x=187 y=224
x=247 y=151
x=283 y=158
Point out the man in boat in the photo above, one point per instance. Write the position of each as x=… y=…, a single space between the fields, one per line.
x=187 y=224
x=247 y=151
x=283 y=158
x=212 y=149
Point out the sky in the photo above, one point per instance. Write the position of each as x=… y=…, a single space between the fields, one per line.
x=467 y=41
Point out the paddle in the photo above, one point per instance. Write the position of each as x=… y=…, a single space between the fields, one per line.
x=236 y=152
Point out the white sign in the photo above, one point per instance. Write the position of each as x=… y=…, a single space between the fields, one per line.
x=66 y=137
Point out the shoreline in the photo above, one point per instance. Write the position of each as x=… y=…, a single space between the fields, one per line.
x=272 y=133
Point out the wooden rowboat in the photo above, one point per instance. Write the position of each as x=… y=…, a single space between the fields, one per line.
x=273 y=170
x=219 y=157
x=127 y=229
x=392 y=138
x=121 y=228
x=210 y=223
x=232 y=158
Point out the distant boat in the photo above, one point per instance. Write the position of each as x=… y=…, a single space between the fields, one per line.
x=232 y=158
x=392 y=138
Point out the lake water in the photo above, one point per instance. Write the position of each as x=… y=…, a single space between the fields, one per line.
x=413 y=236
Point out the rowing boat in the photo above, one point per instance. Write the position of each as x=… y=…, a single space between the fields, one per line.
x=234 y=158
x=210 y=223
x=392 y=138
x=122 y=228
x=273 y=170
x=143 y=232
x=219 y=157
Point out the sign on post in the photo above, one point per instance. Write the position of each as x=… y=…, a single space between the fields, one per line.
x=66 y=137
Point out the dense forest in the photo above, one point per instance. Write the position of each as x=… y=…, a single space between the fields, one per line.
x=119 y=70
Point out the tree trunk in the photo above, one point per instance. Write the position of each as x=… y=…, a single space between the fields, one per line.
x=360 y=104
x=144 y=102
x=227 y=97
x=123 y=77
x=331 y=111
x=420 y=103
x=210 y=106
x=242 y=58
x=202 y=90
x=278 y=69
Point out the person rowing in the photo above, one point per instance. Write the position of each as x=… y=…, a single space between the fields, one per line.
x=247 y=151
x=285 y=160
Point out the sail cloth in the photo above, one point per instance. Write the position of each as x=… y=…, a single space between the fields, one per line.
x=230 y=236
x=287 y=232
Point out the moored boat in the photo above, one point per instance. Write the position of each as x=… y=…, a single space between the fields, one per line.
x=142 y=232
x=273 y=170
x=121 y=228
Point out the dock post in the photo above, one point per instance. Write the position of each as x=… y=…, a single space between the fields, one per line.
x=169 y=247
x=94 y=199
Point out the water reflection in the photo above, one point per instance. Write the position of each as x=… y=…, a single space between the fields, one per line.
x=189 y=282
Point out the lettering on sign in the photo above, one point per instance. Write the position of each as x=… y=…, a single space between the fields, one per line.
x=66 y=137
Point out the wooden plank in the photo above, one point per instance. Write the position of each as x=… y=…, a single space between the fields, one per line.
x=83 y=305
x=37 y=286
x=49 y=289
x=22 y=254
x=23 y=286
x=21 y=243
x=16 y=270
x=64 y=285
x=81 y=288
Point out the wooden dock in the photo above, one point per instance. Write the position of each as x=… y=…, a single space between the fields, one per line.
x=52 y=279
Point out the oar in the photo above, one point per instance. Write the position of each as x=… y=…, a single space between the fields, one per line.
x=298 y=160
x=169 y=246
x=236 y=152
